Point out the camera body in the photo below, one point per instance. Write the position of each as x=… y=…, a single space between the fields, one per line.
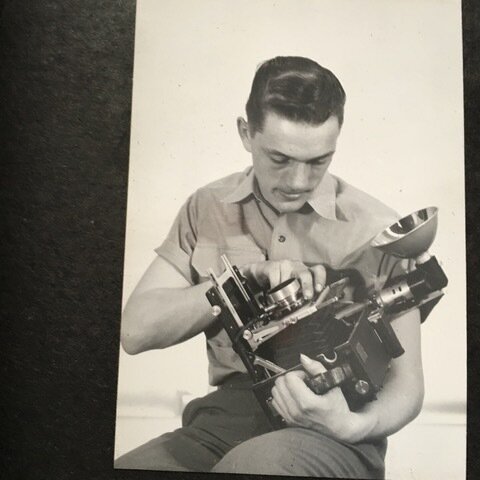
x=352 y=339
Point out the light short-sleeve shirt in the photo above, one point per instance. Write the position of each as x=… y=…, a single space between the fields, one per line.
x=230 y=217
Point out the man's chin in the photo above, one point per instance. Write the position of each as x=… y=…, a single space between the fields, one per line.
x=290 y=205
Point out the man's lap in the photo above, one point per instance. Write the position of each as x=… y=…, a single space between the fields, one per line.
x=228 y=432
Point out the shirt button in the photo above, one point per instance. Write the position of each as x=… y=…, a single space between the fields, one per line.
x=281 y=238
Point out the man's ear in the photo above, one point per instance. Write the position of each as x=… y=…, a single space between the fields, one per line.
x=244 y=133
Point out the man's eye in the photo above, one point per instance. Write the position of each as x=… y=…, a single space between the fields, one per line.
x=279 y=160
x=320 y=162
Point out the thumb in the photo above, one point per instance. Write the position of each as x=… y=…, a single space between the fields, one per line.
x=312 y=367
x=245 y=269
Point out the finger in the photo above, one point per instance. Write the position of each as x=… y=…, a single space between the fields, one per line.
x=296 y=394
x=304 y=399
x=286 y=269
x=273 y=274
x=319 y=277
x=246 y=270
x=301 y=374
x=312 y=367
x=284 y=395
x=295 y=386
x=281 y=411
x=305 y=278
x=280 y=405
x=252 y=271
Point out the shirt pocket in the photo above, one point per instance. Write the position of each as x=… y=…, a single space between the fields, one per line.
x=206 y=256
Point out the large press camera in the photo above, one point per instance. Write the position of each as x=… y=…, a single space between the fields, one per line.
x=353 y=339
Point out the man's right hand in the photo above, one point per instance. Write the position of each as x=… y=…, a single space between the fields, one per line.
x=271 y=273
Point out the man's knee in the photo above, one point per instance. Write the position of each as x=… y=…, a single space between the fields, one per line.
x=294 y=452
x=260 y=455
x=245 y=458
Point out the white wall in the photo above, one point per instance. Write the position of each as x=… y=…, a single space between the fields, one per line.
x=402 y=141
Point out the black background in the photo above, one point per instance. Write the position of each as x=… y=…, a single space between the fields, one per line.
x=66 y=79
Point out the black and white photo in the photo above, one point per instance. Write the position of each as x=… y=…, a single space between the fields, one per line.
x=288 y=136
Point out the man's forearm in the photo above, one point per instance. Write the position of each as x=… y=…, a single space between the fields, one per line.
x=401 y=398
x=161 y=317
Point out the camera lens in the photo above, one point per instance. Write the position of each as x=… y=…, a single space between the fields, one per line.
x=287 y=295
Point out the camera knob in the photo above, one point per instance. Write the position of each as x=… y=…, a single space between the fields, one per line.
x=247 y=335
x=362 y=387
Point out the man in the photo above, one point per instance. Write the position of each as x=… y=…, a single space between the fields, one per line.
x=285 y=217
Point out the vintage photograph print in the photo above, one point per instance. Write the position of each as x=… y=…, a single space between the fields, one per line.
x=294 y=283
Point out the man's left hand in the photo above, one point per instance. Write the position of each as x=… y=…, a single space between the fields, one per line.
x=328 y=413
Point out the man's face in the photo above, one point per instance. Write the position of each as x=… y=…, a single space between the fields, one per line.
x=290 y=158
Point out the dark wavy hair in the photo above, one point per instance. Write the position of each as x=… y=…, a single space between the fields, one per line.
x=296 y=88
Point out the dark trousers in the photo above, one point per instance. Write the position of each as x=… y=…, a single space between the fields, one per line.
x=227 y=431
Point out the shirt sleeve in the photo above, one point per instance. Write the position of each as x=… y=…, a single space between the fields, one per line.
x=178 y=246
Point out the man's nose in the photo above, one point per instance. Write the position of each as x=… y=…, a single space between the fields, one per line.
x=299 y=179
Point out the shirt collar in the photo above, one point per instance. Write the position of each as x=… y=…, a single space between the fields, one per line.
x=323 y=199
x=243 y=190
